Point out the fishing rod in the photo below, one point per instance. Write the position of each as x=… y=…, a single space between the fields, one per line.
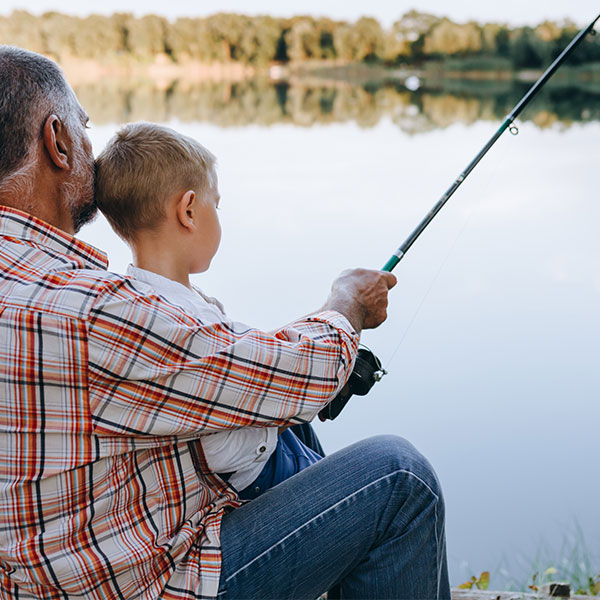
x=368 y=369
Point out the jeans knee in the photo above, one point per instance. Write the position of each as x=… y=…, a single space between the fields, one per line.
x=398 y=454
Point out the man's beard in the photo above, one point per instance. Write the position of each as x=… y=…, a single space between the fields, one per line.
x=78 y=192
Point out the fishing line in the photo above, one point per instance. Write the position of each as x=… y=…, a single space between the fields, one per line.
x=475 y=208
x=368 y=369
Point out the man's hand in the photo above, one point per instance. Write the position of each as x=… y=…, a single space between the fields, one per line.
x=361 y=295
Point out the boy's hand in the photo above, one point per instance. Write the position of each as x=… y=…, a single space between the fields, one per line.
x=361 y=295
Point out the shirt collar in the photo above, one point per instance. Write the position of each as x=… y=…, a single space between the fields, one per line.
x=156 y=280
x=21 y=225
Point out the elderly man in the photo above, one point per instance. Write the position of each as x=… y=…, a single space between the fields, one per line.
x=104 y=388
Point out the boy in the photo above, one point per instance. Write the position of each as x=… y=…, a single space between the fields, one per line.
x=158 y=189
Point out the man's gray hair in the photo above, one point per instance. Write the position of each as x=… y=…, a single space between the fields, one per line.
x=31 y=88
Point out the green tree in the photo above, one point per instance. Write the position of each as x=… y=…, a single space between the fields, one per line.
x=98 y=37
x=490 y=33
x=325 y=29
x=58 y=31
x=188 y=39
x=344 y=42
x=503 y=42
x=410 y=31
x=526 y=49
x=302 y=39
x=448 y=38
x=146 y=37
x=223 y=35
x=24 y=30
x=587 y=52
x=259 y=40
x=369 y=39
x=548 y=31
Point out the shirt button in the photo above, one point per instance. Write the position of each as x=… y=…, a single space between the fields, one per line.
x=261 y=449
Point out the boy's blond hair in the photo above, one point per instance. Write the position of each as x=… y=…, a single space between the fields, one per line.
x=141 y=167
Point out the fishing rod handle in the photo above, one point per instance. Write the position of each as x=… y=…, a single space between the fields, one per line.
x=393 y=261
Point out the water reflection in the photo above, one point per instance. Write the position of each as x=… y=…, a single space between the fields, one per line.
x=492 y=339
x=261 y=102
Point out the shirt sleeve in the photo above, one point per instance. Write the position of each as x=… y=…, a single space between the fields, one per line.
x=156 y=371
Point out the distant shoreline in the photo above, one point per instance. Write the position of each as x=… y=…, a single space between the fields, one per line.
x=163 y=71
x=80 y=70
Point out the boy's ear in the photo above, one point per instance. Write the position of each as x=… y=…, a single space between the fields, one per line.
x=186 y=206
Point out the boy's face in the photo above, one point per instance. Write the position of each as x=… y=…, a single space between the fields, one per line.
x=208 y=229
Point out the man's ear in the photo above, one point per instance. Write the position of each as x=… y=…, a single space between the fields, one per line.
x=56 y=142
x=186 y=206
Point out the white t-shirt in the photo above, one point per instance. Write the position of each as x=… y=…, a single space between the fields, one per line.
x=244 y=451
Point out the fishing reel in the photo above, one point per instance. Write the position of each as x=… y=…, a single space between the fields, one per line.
x=366 y=373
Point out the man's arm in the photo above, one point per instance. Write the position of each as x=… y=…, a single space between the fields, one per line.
x=156 y=371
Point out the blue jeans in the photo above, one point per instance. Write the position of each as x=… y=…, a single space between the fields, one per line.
x=369 y=518
x=291 y=456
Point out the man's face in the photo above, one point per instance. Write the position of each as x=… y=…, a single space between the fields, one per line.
x=78 y=190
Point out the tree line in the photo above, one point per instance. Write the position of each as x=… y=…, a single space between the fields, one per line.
x=263 y=40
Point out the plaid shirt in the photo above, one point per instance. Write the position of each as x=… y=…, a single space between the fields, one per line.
x=104 y=386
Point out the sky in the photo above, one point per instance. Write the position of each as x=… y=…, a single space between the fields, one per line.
x=514 y=12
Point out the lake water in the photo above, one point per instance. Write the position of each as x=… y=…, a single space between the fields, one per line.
x=493 y=336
